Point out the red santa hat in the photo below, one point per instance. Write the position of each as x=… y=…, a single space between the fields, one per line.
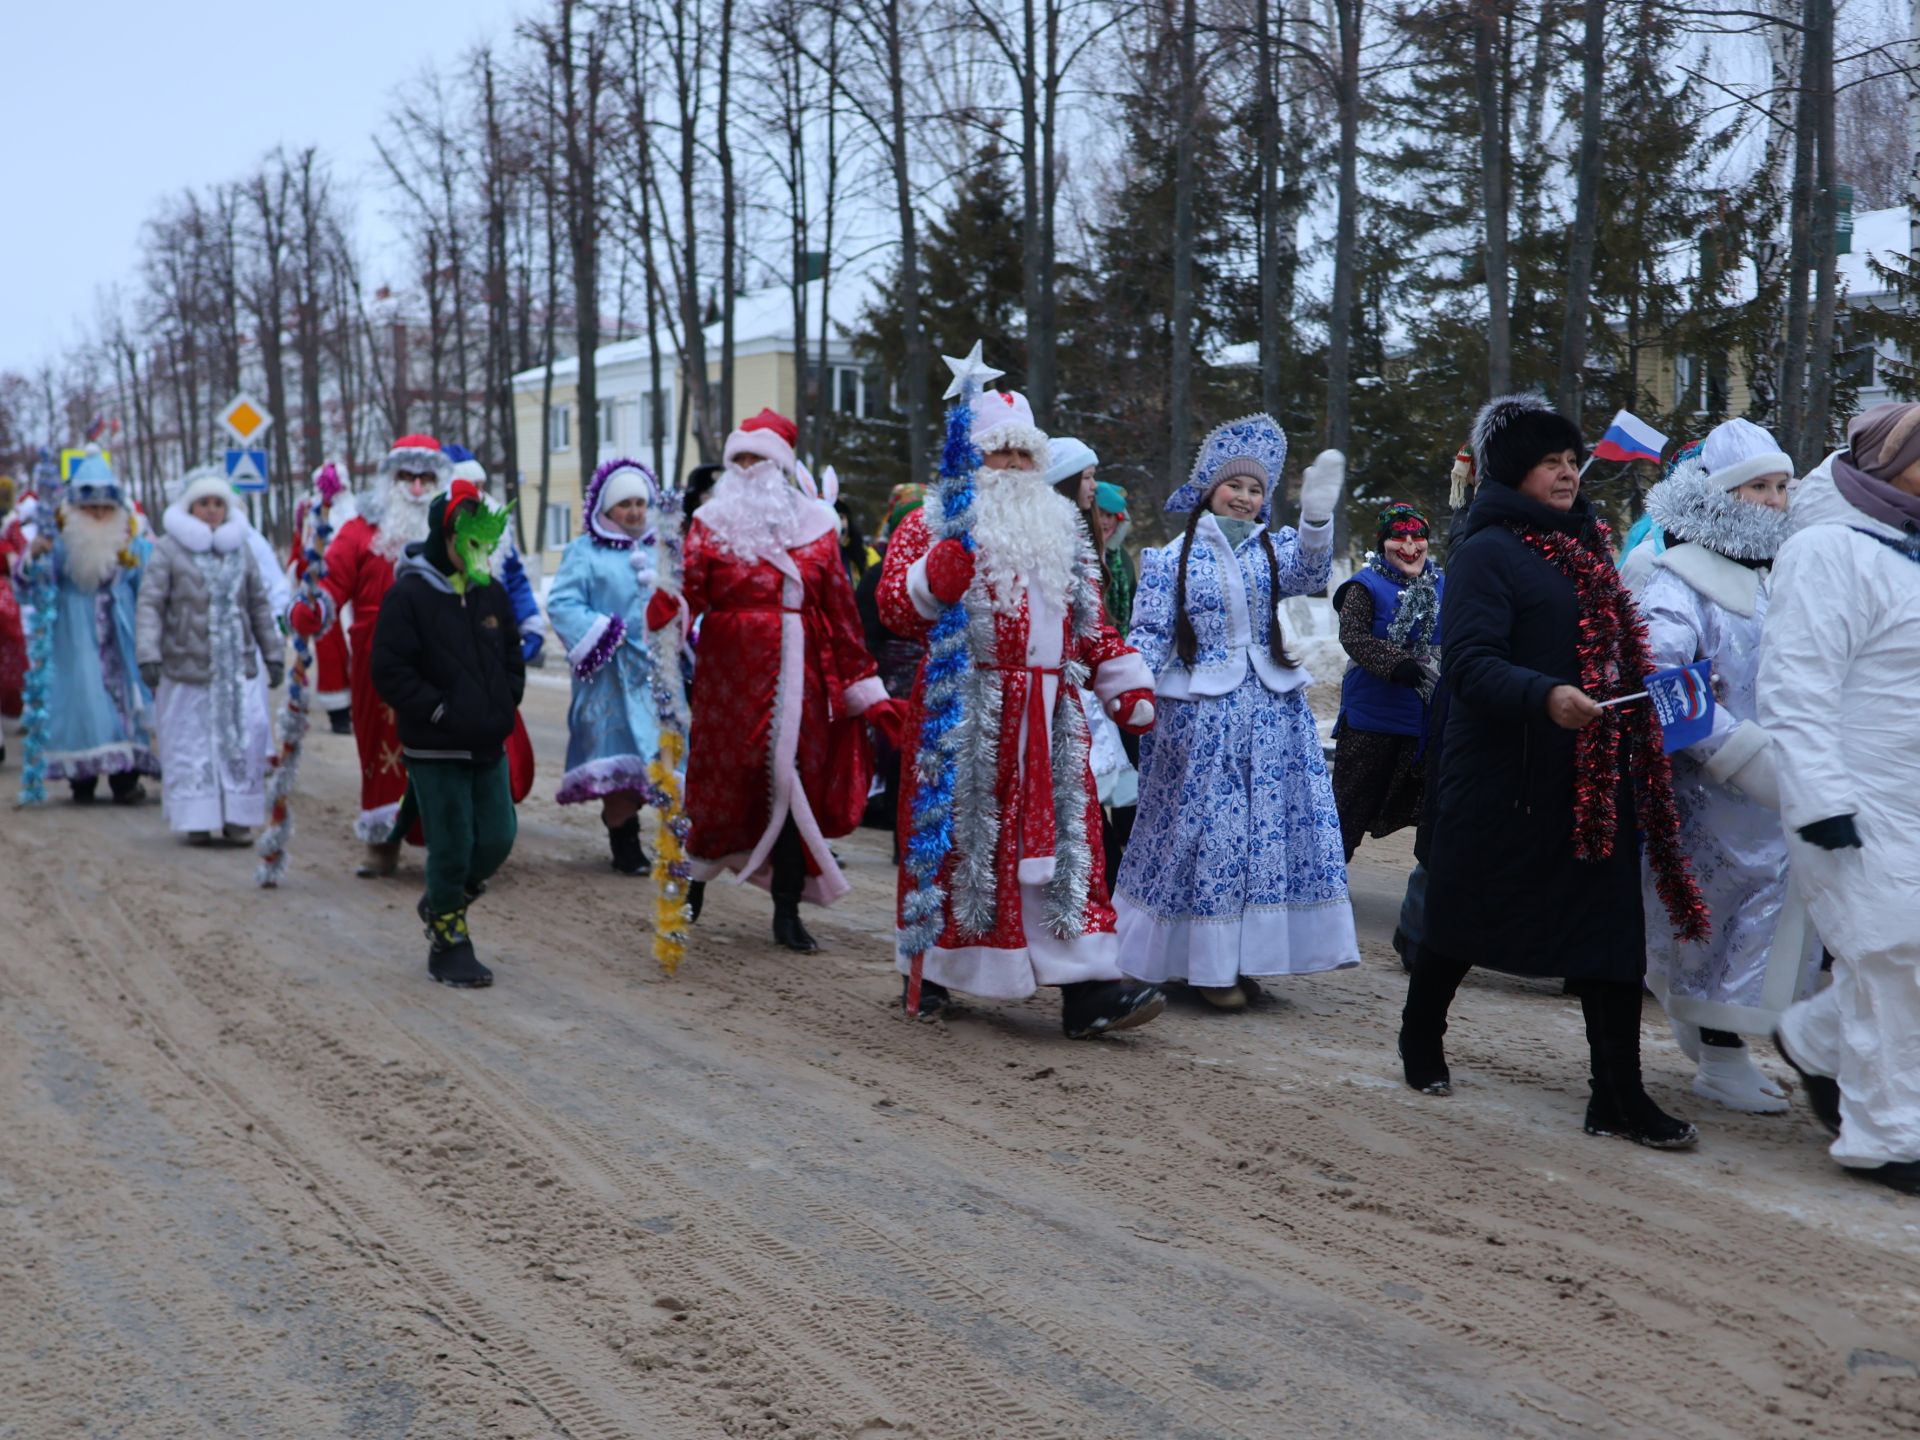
x=1003 y=420
x=770 y=435
x=417 y=455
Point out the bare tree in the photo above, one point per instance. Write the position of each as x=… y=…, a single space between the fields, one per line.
x=1489 y=57
x=1586 y=212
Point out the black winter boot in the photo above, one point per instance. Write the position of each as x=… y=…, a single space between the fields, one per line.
x=340 y=721
x=1822 y=1092
x=787 y=929
x=628 y=856
x=450 y=957
x=1423 y=1022
x=1092 y=1008
x=1620 y=1104
x=696 y=897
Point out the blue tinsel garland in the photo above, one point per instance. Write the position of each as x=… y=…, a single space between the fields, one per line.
x=942 y=712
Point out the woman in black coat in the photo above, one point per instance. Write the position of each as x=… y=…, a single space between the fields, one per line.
x=1533 y=867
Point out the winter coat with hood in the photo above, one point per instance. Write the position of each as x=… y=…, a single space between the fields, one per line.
x=1505 y=889
x=193 y=565
x=449 y=663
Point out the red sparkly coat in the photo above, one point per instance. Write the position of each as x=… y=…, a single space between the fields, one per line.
x=1029 y=657
x=331 y=678
x=13 y=638
x=358 y=575
x=781 y=675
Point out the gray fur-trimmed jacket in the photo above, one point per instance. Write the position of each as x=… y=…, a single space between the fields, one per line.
x=175 y=618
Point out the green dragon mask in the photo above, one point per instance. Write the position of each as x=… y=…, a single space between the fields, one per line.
x=477 y=530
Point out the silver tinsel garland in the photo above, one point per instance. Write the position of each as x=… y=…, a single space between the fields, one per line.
x=1690 y=507
x=1419 y=609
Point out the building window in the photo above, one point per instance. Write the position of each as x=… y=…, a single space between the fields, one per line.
x=1689 y=384
x=559 y=526
x=849 y=391
x=559 y=428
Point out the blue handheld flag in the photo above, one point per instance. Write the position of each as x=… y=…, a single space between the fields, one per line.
x=1683 y=699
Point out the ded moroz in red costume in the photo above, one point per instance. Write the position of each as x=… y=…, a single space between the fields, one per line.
x=1026 y=901
x=360 y=563
x=778 y=759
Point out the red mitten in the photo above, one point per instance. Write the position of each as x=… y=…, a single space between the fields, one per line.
x=1133 y=711
x=889 y=717
x=949 y=571
x=305 y=619
x=662 y=610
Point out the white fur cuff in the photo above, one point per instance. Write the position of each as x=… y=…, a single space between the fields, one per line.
x=589 y=641
x=1743 y=742
x=920 y=592
x=1119 y=675
x=863 y=695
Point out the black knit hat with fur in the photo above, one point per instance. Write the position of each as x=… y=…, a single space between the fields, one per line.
x=1514 y=433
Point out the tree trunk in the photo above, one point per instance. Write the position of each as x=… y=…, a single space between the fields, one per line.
x=1793 y=366
x=1346 y=226
x=1586 y=215
x=1031 y=237
x=1180 y=360
x=729 y=238
x=1819 y=424
x=919 y=420
x=1267 y=144
x=1493 y=192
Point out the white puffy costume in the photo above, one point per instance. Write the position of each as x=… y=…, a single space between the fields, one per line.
x=1839 y=695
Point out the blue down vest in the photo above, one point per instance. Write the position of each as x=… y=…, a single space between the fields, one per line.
x=1368 y=702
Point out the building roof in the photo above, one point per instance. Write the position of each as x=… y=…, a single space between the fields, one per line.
x=762 y=322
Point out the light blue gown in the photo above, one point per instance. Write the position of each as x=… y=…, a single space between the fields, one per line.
x=598 y=609
x=1235 y=865
x=100 y=714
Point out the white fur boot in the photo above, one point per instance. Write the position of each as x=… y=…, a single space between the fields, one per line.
x=1728 y=1077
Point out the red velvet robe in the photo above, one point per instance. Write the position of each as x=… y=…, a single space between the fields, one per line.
x=360 y=576
x=780 y=675
x=13 y=636
x=331 y=677
x=1021 y=952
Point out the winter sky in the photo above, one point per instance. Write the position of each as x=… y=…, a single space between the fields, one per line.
x=113 y=105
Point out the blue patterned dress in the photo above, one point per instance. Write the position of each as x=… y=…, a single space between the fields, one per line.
x=598 y=609
x=1235 y=865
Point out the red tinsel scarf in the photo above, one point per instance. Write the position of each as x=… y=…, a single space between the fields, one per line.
x=1614 y=659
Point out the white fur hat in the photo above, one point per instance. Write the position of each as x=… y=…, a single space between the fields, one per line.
x=202 y=483
x=1003 y=420
x=1738 y=451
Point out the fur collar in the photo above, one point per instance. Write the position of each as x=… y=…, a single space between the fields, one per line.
x=196 y=535
x=1688 y=506
x=1727 y=583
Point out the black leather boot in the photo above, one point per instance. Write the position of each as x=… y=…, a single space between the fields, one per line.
x=628 y=856
x=1620 y=1104
x=1423 y=1022
x=787 y=929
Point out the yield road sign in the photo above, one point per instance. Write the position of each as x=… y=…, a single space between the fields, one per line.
x=247 y=469
x=245 y=420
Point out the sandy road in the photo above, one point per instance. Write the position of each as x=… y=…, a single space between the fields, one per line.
x=259 y=1177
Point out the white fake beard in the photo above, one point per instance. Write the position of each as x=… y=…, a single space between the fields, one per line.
x=1024 y=532
x=93 y=548
x=755 y=513
x=403 y=522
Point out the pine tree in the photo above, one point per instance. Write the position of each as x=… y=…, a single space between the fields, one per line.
x=971 y=289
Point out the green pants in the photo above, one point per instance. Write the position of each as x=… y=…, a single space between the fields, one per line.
x=466 y=812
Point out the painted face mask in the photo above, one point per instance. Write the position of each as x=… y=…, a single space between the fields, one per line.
x=477 y=531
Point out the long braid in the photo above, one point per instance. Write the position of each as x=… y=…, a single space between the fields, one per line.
x=1185 y=643
x=1276 y=638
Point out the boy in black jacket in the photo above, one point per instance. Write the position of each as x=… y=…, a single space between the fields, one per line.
x=446 y=657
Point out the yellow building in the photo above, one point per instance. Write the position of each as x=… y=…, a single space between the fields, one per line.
x=766 y=373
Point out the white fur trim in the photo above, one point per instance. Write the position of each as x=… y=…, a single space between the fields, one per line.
x=767 y=444
x=471 y=470
x=920 y=592
x=417 y=460
x=1743 y=742
x=863 y=695
x=1012 y=435
x=595 y=633
x=1727 y=583
x=373 y=826
x=202 y=486
x=625 y=484
x=1774 y=462
x=1119 y=675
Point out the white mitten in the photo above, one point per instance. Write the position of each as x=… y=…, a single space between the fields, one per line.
x=1320 y=487
x=1759 y=779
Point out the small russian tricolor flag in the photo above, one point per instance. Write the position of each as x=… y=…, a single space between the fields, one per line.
x=1630 y=438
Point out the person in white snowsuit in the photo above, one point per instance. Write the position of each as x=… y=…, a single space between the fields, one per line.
x=1704 y=597
x=1839 y=694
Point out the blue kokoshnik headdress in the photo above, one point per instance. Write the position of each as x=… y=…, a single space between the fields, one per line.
x=1253 y=445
